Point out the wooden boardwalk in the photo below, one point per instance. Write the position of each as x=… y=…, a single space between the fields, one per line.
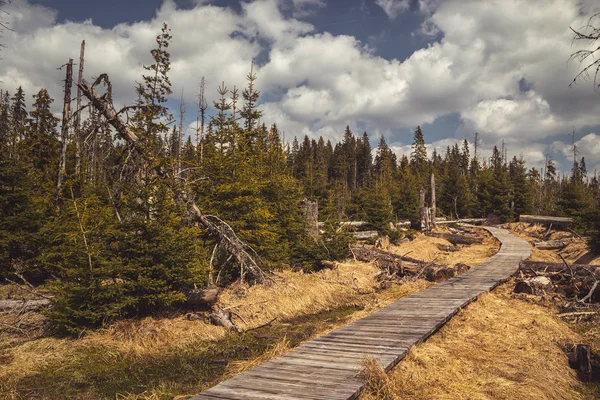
x=326 y=367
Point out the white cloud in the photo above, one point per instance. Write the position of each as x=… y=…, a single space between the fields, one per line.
x=317 y=83
x=393 y=7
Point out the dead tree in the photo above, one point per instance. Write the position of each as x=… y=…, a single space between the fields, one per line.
x=424 y=211
x=64 y=132
x=202 y=107
x=227 y=240
x=77 y=129
x=178 y=139
x=433 y=203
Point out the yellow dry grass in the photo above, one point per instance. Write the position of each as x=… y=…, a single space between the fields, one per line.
x=291 y=295
x=575 y=249
x=497 y=348
x=426 y=248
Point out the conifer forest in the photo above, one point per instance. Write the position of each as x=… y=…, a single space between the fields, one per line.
x=121 y=214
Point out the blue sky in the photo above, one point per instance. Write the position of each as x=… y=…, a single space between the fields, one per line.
x=452 y=66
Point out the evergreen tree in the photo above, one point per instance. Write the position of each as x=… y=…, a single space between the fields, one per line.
x=385 y=164
x=418 y=156
x=364 y=160
x=522 y=193
x=42 y=139
x=495 y=190
x=154 y=90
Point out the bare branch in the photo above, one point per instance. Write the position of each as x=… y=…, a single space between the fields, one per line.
x=588 y=33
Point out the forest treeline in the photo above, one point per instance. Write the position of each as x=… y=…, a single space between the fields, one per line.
x=110 y=238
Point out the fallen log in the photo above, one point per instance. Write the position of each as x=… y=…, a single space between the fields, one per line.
x=400 y=265
x=383 y=259
x=471 y=221
x=546 y=266
x=365 y=235
x=23 y=305
x=547 y=220
x=552 y=244
x=586 y=258
x=457 y=239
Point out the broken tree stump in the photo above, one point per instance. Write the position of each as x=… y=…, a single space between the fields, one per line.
x=580 y=359
x=535 y=285
x=202 y=297
x=221 y=317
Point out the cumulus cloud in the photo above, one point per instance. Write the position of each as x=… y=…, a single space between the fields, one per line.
x=316 y=83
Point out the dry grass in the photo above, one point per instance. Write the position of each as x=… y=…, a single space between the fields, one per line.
x=293 y=295
x=497 y=348
x=572 y=252
x=426 y=248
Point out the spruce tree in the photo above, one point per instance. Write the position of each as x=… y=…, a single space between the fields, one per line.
x=418 y=156
x=498 y=188
x=364 y=160
x=522 y=192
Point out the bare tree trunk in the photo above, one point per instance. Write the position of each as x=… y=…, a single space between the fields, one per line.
x=433 y=203
x=202 y=106
x=423 y=208
x=78 y=115
x=64 y=133
x=228 y=241
x=179 y=138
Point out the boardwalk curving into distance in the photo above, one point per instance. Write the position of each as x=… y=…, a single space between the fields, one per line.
x=327 y=367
